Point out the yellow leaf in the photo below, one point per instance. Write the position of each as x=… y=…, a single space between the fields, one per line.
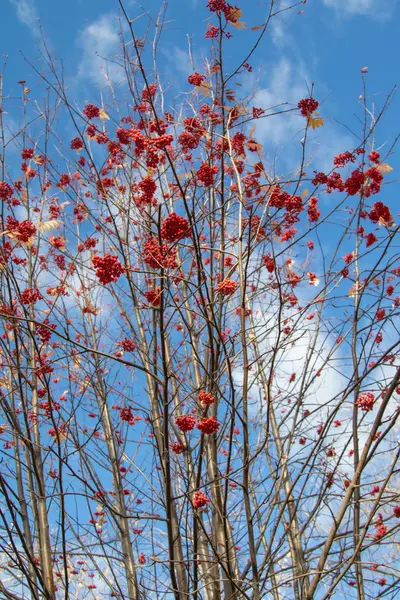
x=385 y=168
x=47 y=225
x=316 y=121
x=103 y=114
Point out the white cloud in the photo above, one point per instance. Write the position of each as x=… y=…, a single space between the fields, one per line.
x=376 y=8
x=27 y=15
x=100 y=41
x=288 y=83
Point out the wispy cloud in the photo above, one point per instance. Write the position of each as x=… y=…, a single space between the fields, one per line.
x=379 y=9
x=100 y=41
x=288 y=82
x=27 y=14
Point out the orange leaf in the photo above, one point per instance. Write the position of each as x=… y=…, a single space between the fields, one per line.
x=239 y=24
x=315 y=121
x=256 y=27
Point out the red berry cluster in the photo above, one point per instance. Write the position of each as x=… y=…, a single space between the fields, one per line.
x=44 y=332
x=380 y=213
x=206 y=174
x=206 y=398
x=30 y=296
x=185 y=423
x=307 y=106
x=227 y=287
x=148 y=188
x=88 y=244
x=177 y=447
x=355 y=182
x=365 y=401
x=374 y=157
x=269 y=263
x=76 y=144
x=108 y=268
x=127 y=345
x=237 y=143
x=23 y=230
x=91 y=111
x=126 y=414
x=208 y=425
x=212 y=33
x=153 y=297
x=312 y=210
x=200 y=500
x=27 y=153
x=174 y=228
x=342 y=159
x=6 y=191
x=157 y=256
x=196 y=79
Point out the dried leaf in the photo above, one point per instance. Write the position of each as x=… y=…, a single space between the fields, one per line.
x=385 y=168
x=253 y=146
x=103 y=114
x=256 y=27
x=239 y=24
x=304 y=193
x=235 y=14
x=215 y=68
x=203 y=89
x=47 y=225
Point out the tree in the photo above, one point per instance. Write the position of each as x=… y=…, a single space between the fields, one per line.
x=200 y=370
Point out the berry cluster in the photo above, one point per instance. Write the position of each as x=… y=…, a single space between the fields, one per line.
x=91 y=111
x=312 y=210
x=157 y=256
x=380 y=213
x=30 y=296
x=196 y=79
x=174 y=228
x=76 y=144
x=177 y=447
x=27 y=153
x=23 y=230
x=308 y=106
x=365 y=401
x=108 y=268
x=206 y=398
x=153 y=297
x=185 y=423
x=208 y=425
x=126 y=414
x=127 y=345
x=6 y=191
x=200 y=500
x=206 y=174
x=227 y=287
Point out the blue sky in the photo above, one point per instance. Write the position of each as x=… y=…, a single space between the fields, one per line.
x=326 y=44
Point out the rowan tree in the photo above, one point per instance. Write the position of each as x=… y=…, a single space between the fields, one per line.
x=200 y=370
